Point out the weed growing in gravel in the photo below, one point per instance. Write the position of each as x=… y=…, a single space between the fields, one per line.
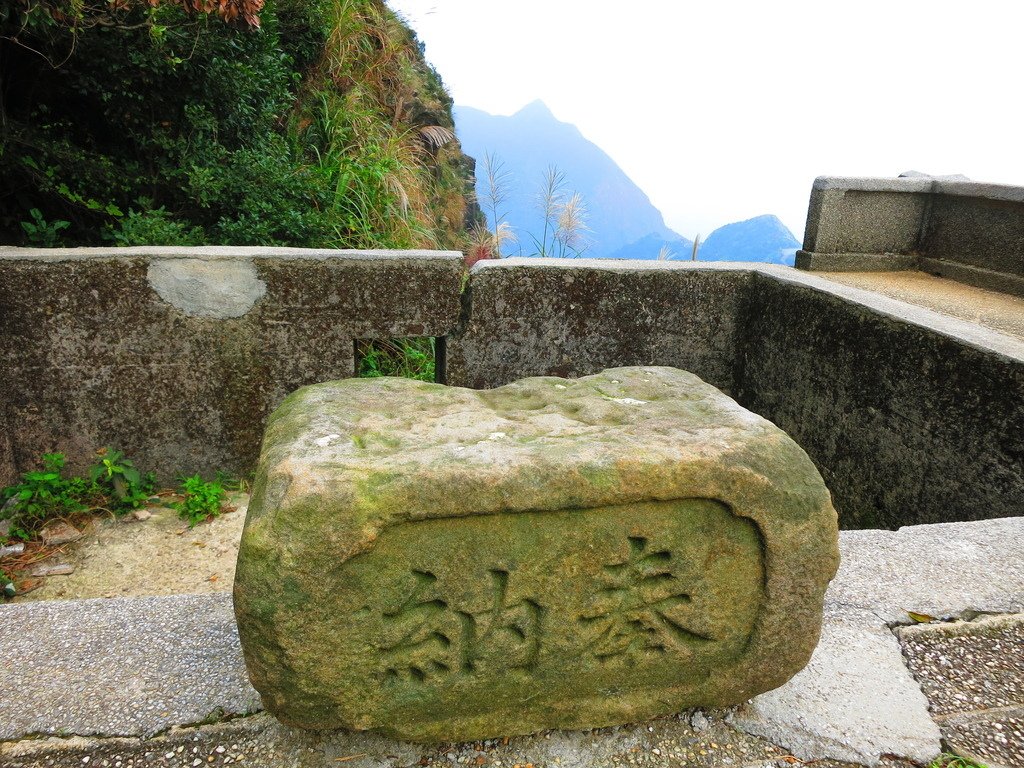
x=955 y=761
x=201 y=500
x=120 y=481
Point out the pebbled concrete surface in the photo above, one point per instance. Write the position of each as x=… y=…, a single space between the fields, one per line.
x=854 y=701
x=123 y=667
x=262 y=742
x=973 y=675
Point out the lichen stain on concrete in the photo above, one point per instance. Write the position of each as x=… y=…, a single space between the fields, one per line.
x=214 y=288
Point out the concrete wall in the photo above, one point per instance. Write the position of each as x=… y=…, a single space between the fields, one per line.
x=177 y=356
x=911 y=417
x=967 y=231
x=567 y=317
x=886 y=398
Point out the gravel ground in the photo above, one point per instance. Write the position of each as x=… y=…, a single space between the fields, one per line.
x=694 y=739
x=972 y=673
x=160 y=555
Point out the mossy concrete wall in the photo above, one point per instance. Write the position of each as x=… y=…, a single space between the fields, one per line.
x=911 y=417
x=176 y=356
x=968 y=231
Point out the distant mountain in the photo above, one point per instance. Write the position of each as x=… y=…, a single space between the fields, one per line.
x=652 y=246
x=531 y=141
x=762 y=238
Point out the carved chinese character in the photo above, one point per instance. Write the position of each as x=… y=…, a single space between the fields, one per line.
x=426 y=638
x=505 y=636
x=636 y=611
x=422 y=635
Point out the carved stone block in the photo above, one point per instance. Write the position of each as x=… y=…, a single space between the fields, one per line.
x=445 y=564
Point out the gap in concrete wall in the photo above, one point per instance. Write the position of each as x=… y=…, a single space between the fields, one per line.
x=411 y=357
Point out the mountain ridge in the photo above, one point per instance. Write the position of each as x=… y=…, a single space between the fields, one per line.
x=533 y=140
x=623 y=222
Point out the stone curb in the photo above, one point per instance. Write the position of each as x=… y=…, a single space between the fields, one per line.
x=135 y=667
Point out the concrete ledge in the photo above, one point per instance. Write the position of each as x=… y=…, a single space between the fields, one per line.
x=978 y=226
x=919 y=184
x=977 y=276
x=138 y=666
x=902 y=312
x=855 y=262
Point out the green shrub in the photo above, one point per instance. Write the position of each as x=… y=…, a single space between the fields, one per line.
x=113 y=484
x=44 y=495
x=153 y=226
x=201 y=500
x=324 y=129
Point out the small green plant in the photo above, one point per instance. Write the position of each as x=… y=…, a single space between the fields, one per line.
x=113 y=484
x=118 y=479
x=948 y=760
x=408 y=358
x=43 y=495
x=41 y=232
x=201 y=500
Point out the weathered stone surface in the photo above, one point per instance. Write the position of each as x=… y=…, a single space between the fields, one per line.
x=445 y=564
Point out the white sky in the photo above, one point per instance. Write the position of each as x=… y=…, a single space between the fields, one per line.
x=721 y=110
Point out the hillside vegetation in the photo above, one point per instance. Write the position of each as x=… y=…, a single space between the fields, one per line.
x=302 y=122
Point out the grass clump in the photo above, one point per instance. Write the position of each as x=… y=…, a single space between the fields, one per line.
x=413 y=358
x=201 y=500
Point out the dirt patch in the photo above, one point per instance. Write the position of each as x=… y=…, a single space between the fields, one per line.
x=160 y=555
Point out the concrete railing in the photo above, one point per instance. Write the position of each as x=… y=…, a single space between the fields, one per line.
x=176 y=356
x=964 y=230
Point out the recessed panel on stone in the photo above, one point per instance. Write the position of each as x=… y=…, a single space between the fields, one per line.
x=442 y=564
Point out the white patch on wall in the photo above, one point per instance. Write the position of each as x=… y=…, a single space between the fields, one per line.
x=215 y=288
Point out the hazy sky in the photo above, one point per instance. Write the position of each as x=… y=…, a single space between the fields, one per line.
x=725 y=110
